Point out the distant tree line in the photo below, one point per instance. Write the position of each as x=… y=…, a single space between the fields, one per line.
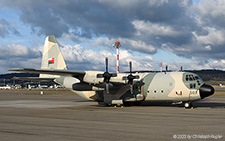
x=210 y=75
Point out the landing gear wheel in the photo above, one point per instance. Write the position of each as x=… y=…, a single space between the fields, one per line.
x=187 y=104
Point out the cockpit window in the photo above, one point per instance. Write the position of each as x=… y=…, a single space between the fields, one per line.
x=192 y=81
x=186 y=77
x=191 y=78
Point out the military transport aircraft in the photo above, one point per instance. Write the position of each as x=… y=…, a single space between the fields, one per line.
x=119 y=88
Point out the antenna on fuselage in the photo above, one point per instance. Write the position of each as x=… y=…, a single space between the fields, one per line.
x=181 y=68
x=161 y=67
x=166 y=68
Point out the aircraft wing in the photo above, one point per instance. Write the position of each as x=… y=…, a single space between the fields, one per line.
x=76 y=74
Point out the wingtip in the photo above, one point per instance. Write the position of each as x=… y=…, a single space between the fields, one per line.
x=16 y=69
x=20 y=69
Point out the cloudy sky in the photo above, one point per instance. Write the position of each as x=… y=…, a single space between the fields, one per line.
x=190 y=33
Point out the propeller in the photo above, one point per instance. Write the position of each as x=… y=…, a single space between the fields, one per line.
x=106 y=75
x=131 y=78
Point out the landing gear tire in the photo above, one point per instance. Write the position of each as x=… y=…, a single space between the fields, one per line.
x=187 y=104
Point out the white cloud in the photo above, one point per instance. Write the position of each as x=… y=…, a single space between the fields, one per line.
x=214 y=8
x=93 y=60
x=218 y=64
x=208 y=47
x=147 y=28
x=157 y=3
x=141 y=46
x=214 y=36
x=18 y=51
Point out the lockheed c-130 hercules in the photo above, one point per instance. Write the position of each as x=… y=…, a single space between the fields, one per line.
x=119 y=88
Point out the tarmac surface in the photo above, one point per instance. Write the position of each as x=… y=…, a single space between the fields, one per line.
x=69 y=117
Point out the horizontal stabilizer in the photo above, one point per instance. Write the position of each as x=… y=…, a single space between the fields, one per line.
x=76 y=74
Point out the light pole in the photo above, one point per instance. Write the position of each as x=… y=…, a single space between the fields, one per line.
x=117 y=45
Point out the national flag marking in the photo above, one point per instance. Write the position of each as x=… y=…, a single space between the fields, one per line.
x=51 y=61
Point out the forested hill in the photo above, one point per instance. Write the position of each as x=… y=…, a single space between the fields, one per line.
x=210 y=75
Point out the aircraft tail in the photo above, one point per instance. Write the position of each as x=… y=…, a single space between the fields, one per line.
x=52 y=56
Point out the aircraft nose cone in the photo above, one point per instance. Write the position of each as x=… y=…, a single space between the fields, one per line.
x=206 y=90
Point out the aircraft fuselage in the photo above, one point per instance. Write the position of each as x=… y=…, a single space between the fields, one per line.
x=150 y=87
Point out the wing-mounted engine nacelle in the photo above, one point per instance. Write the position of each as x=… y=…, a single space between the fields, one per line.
x=85 y=87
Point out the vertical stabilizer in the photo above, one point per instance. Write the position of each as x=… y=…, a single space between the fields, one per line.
x=52 y=56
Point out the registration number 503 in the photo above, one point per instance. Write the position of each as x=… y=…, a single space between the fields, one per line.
x=193 y=92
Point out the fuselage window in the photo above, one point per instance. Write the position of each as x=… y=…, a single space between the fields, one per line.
x=194 y=85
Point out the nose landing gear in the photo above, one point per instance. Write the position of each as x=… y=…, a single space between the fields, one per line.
x=188 y=104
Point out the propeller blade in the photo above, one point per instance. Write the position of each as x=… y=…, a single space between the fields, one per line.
x=106 y=75
x=131 y=78
x=106 y=64
x=107 y=87
x=131 y=89
x=130 y=67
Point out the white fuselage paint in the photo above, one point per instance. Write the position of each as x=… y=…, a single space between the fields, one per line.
x=169 y=87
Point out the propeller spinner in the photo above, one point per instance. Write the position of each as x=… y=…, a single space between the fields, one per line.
x=131 y=78
x=106 y=75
